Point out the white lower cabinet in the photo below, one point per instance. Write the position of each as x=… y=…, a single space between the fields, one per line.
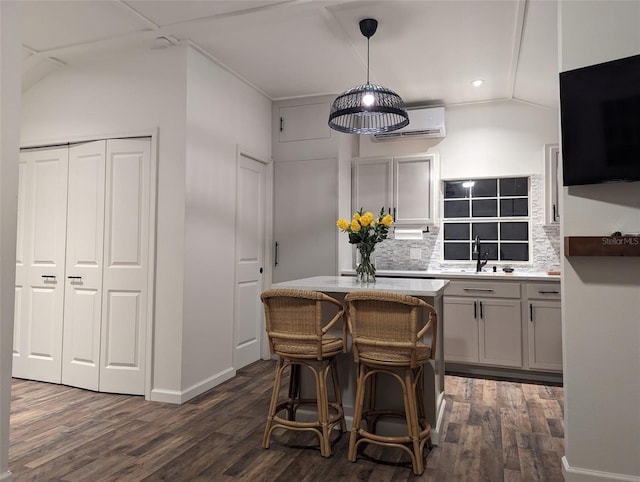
x=544 y=326
x=483 y=330
x=500 y=332
x=503 y=324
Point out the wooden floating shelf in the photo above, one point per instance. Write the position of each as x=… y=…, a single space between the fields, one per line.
x=602 y=246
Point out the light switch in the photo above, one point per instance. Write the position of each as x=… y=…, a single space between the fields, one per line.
x=415 y=253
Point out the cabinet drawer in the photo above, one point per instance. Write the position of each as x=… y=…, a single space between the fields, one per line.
x=544 y=291
x=483 y=289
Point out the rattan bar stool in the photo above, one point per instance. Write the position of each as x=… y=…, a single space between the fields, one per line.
x=299 y=339
x=387 y=330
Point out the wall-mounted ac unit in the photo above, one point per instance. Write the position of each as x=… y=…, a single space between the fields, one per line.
x=423 y=123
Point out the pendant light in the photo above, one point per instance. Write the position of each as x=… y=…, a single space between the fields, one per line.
x=368 y=108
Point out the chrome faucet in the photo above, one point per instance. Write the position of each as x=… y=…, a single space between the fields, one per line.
x=480 y=263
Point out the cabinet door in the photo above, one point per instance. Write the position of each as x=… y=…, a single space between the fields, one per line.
x=40 y=254
x=304 y=122
x=551 y=183
x=310 y=250
x=372 y=185
x=413 y=190
x=83 y=291
x=545 y=335
x=500 y=332
x=460 y=326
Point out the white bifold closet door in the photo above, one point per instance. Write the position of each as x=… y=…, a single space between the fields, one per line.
x=99 y=340
x=40 y=255
x=84 y=255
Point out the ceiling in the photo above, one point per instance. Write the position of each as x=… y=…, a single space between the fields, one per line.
x=428 y=51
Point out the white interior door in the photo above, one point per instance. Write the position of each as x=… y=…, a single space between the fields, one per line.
x=298 y=187
x=40 y=254
x=83 y=291
x=126 y=266
x=250 y=233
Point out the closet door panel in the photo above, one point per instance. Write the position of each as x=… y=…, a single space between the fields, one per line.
x=40 y=264
x=125 y=266
x=20 y=264
x=84 y=254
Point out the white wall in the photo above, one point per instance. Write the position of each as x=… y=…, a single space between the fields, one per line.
x=201 y=113
x=221 y=114
x=10 y=72
x=495 y=138
x=135 y=91
x=601 y=296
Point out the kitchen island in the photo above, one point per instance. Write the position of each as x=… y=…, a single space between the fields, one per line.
x=431 y=291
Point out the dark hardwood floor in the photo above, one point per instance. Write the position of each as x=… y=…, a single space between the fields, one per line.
x=493 y=431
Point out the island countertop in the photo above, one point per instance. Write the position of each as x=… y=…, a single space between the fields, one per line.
x=347 y=284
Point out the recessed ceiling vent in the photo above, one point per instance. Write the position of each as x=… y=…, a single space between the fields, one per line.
x=423 y=123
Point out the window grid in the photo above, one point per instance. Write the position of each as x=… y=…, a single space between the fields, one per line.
x=461 y=249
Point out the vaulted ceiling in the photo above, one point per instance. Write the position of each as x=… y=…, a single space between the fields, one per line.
x=428 y=51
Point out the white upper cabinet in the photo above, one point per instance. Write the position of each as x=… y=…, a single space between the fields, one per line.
x=373 y=184
x=304 y=122
x=402 y=186
x=552 y=183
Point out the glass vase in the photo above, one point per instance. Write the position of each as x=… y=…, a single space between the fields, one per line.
x=366 y=269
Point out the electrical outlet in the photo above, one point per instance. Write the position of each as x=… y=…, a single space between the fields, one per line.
x=415 y=253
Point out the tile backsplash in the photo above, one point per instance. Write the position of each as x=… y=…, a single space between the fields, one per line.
x=545 y=240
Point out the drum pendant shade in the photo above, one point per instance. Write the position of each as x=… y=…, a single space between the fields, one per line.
x=368 y=108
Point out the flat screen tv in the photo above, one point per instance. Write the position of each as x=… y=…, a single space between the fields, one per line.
x=600 y=122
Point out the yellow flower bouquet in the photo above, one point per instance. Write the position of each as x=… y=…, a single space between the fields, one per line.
x=365 y=232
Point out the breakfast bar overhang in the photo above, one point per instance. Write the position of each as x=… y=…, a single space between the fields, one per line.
x=431 y=291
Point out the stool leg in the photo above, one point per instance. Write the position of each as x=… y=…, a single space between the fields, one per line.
x=323 y=407
x=412 y=420
x=337 y=391
x=273 y=404
x=357 y=414
x=294 y=391
x=422 y=408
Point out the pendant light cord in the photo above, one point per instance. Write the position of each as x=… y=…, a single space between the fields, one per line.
x=368 y=38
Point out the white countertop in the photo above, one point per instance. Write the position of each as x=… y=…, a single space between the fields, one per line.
x=456 y=273
x=346 y=284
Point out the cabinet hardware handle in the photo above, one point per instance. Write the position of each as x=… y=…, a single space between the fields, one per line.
x=394 y=214
x=481 y=314
x=276 y=256
x=475 y=310
x=261 y=270
x=483 y=290
x=281 y=124
x=531 y=312
x=555 y=217
x=47 y=276
x=549 y=292
x=74 y=277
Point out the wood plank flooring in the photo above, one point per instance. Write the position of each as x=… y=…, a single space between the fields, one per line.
x=493 y=431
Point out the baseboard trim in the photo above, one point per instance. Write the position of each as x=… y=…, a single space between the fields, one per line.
x=165 y=396
x=6 y=476
x=207 y=384
x=180 y=397
x=577 y=474
x=505 y=374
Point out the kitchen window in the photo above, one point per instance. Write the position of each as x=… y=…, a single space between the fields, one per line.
x=496 y=210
